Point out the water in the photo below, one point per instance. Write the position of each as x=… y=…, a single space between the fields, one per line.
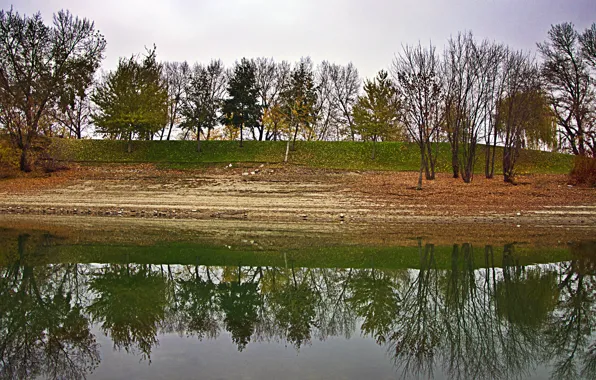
x=171 y=310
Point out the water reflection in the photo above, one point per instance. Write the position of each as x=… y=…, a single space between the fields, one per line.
x=469 y=315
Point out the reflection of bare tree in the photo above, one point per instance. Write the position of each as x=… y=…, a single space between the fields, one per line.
x=43 y=329
x=569 y=332
x=416 y=334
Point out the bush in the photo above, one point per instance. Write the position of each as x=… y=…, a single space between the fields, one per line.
x=584 y=171
x=9 y=158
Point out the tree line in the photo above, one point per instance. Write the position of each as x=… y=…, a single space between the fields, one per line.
x=475 y=95
x=500 y=321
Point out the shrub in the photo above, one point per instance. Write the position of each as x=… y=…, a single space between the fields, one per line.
x=9 y=158
x=584 y=171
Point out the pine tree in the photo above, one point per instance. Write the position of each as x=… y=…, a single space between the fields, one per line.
x=242 y=107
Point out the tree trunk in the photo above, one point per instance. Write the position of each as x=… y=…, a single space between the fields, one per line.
x=454 y=157
x=199 y=139
x=129 y=143
x=24 y=163
x=287 y=151
x=294 y=140
x=373 y=148
x=419 y=187
x=240 y=135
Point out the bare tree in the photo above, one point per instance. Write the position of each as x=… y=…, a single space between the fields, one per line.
x=200 y=108
x=75 y=114
x=177 y=78
x=272 y=79
x=344 y=87
x=420 y=90
x=470 y=71
x=565 y=68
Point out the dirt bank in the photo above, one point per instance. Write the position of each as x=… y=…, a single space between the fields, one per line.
x=294 y=195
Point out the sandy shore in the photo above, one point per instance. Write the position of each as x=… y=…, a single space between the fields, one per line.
x=295 y=199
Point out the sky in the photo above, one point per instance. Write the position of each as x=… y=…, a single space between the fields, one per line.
x=366 y=32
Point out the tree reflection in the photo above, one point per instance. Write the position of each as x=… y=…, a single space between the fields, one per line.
x=468 y=312
x=129 y=302
x=43 y=329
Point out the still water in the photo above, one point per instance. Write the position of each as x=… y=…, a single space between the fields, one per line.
x=71 y=310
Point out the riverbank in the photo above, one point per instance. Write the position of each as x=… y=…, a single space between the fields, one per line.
x=260 y=194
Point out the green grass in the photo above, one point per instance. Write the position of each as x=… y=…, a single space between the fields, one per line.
x=185 y=253
x=394 y=156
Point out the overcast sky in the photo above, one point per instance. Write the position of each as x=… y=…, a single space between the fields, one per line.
x=366 y=32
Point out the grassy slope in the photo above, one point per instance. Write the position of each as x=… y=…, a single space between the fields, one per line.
x=331 y=155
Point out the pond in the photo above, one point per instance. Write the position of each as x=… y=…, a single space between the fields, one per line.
x=72 y=309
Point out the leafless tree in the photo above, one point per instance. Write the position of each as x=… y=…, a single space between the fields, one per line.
x=272 y=79
x=177 y=78
x=470 y=71
x=344 y=86
x=75 y=115
x=565 y=68
x=421 y=91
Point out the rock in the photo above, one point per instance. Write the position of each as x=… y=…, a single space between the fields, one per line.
x=252 y=173
x=262 y=166
x=518 y=226
x=342 y=216
x=230 y=165
x=245 y=173
x=518 y=214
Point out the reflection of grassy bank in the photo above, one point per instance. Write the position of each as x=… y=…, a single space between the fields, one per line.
x=44 y=249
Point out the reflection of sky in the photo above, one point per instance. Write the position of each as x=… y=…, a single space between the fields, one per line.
x=186 y=358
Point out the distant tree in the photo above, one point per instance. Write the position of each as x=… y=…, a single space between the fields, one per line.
x=272 y=78
x=176 y=77
x=524 y=113
x=41 y=66
x=375 y=114
x=420 y=91
x=132 y=101
x=565 y=68
x=344 y=87
x=470 y=71
x=74 y=115
x=299 y=100
x=204 y=96
x=242 y=107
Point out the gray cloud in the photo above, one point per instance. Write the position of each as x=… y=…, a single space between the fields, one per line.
x=366 y=32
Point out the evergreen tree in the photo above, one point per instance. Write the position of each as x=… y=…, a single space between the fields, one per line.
x=242 y=107
x=132 y=101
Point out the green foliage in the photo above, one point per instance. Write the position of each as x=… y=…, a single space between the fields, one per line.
x=299 y=99
x=42 y=67
x=242 y=107
x=132 y=101
x=375 y=113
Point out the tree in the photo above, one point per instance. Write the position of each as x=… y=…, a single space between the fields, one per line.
x=272 y=78
x=524 y=113
x=565 y=68
x=420 y=91
x=41 y=65
x=299 y=99
x=132 y=101
x=75 y=114
x=176 y=77
x=376 y=113
x=242 y=109
x=471 y=73
x=344 y=86
x=204 y=96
